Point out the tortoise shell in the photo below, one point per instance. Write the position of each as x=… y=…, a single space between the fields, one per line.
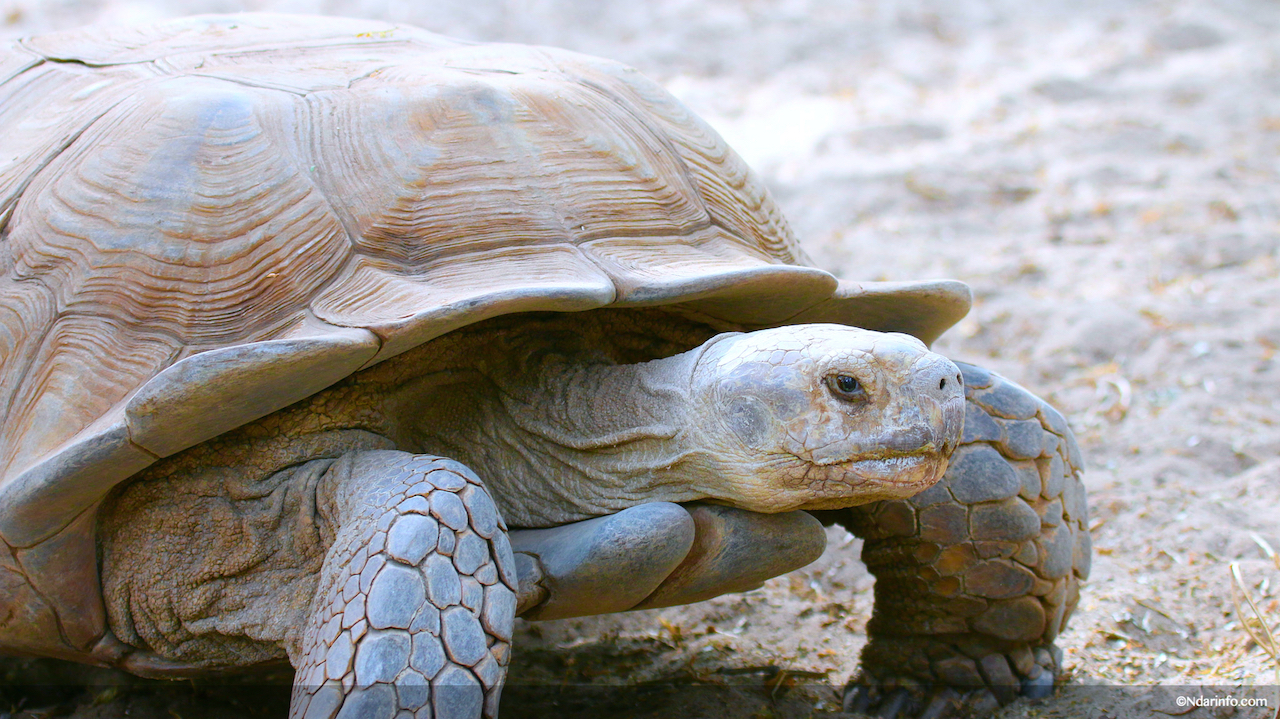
x=209 y=219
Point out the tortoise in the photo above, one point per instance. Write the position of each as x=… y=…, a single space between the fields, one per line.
x=345 y=343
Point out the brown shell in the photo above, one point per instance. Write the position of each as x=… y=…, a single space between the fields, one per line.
x=208 y=219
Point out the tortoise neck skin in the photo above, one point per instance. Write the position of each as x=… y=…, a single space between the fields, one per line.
x=571 y=440
x=755 y=420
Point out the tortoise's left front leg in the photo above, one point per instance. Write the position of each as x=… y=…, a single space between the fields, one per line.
x=414 y=609
x=976 y=576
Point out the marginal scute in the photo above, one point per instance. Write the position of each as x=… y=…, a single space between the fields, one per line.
x=213 y=392
x=923 y=309
x=43 y=499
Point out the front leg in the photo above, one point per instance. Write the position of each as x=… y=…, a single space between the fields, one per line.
x=414 y=609
x=976 y=576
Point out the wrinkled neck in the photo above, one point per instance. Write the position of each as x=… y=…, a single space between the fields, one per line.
x=561 y=440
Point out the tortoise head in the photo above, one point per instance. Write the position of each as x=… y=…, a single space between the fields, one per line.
x=825 y=416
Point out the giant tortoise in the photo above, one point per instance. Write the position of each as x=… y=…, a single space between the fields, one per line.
x=344 y=343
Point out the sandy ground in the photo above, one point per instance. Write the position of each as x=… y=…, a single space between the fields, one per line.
x=1103 y=173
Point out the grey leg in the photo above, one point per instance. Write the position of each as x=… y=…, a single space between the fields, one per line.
x=976 y=576
x=657 y=555
x=414 y=609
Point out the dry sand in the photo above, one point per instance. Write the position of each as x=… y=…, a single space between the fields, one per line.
x=1104 y=175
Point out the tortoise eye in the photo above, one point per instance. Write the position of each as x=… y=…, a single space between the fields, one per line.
x=846 y=386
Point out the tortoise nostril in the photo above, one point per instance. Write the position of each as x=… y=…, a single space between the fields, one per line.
x=943 y=383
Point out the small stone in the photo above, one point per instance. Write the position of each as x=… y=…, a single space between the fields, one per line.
x=446 y=507
x=979 y=474
x=945 y=524
x=457 y=693
x=991 y=550
x=1015 y=620
x=498 y=615
x=1082 y=557
x=998 y=579
x=417 y=504
x=1074 y=457
x=963 y=606
x=974 y=377
x=351 y=588
x=325 y=702
x=1000 y=678
x=446 y=542
x=426 y=620
x=931 y=496
x=411 y=538
x=1038 y=685
x=979 y=426
x=955 y=559
x=504 y=559
x=353 y=612
x=443 y=585
x=925 y=552
x=471 y=552
x=370 y=571
x=1043 y=587
x=1056 y=553
x=395 y=596
x=447 y=479
x=484 y=515
x=1008 y=521
x=1053 y=419
x=1051 y=514
x=1023 y=439
x=1009 y=401
x=338 y=659
x=1049 y=444
x=981 y=704
x=413 y=689
x=1052 y=475
x=489 y=671
x=945 y=587
x=381 y=656
x=1022 y=659
x=895 y=518
x=957 y=671
x=472 y=594
x=487 y=574
x=463 y=636
x=1029 y=474
x=1027 y=555
x=1073 y=501
x=384 y=523
x=370 y=702
x=428 y=655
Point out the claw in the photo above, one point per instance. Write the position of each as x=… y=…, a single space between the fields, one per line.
x=857 y=699
x=982 y=703
x=894 y=705
x=942 y=704
x=1038 y=687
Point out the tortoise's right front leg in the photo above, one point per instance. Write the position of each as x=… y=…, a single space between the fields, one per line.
x=416 y=599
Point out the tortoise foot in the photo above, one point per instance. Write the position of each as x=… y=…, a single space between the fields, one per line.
x=960 y=686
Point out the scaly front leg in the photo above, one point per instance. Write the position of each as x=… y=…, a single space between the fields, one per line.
x=416 y=600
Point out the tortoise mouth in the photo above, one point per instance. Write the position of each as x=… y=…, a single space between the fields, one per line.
x=918 y=470
x=868 y=479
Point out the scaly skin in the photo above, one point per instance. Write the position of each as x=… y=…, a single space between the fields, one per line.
x=976 y=576
x=416 y=598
